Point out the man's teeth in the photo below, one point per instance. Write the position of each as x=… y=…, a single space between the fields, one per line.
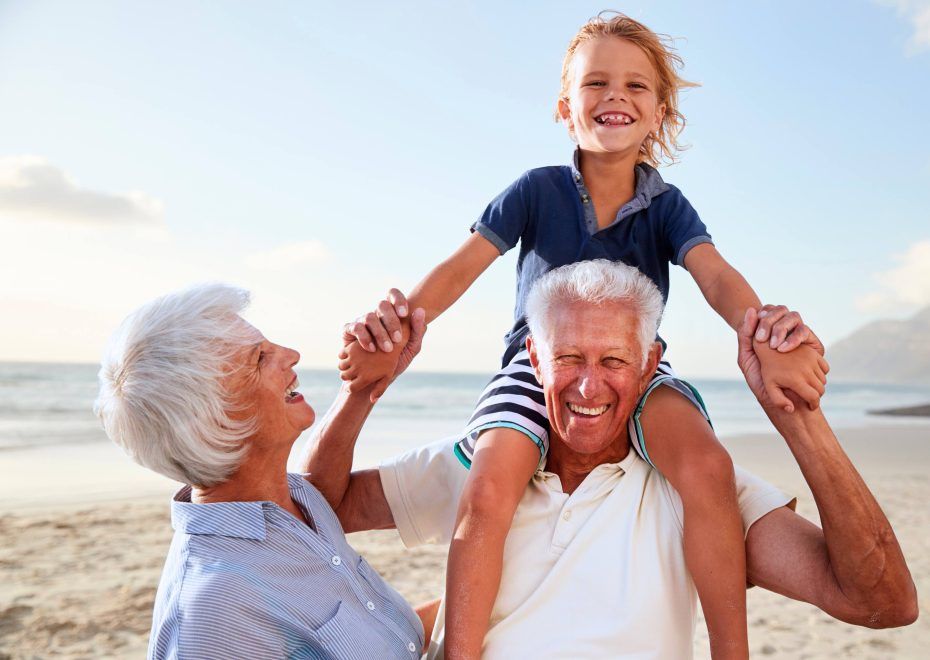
x=588 y=411
x=622 y=120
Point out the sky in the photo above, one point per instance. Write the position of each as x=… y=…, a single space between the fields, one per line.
x=318 y=154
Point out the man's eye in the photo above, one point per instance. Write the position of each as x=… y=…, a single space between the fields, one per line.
x=613 y=362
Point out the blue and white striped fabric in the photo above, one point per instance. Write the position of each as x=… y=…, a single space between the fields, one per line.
x=514 y=399
x=248 y=580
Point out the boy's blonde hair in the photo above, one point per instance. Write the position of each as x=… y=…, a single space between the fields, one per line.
x=661 y=146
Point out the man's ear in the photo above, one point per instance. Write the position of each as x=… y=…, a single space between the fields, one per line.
x=649 y=368
x=534 y=358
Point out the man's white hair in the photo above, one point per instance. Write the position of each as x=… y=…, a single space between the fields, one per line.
x=163 y=396
x=598 y=281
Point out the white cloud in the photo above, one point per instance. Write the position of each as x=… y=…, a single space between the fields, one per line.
x=33 y=188
x=287 y=257
x=907 y=284
x=917 y=13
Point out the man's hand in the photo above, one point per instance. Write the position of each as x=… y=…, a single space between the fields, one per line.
x=774 y=377
x=784 y=330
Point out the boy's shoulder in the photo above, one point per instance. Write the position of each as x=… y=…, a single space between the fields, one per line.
x=544 y=174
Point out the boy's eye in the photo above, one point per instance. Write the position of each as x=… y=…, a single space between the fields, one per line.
x=595 y=83
x=637 y=86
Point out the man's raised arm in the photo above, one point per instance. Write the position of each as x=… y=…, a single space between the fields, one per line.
x=853 y=568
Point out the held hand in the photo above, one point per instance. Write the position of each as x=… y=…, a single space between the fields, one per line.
x=772 y=376
x=784 y=330
x=380 y=328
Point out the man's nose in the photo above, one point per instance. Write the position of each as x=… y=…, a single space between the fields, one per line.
x=590 y=385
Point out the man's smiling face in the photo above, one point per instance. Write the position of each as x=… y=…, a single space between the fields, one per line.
x=612 y=104
x=592 y=370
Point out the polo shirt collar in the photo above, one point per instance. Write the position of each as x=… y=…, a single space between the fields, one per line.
x=630 y=462
x=649 y=183
x=245 y=520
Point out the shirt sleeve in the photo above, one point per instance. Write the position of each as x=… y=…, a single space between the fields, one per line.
x=682 y=225
x=423 y=487
x=756 y=497
x=506 y=217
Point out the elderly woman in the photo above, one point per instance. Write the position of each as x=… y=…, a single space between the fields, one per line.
x=259 y=566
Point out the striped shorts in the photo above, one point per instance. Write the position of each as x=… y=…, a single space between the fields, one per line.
x=514 y=399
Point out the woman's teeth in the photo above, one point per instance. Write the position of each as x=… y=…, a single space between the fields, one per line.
x=593 y=412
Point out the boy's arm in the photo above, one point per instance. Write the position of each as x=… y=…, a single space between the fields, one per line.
x=384 y=328
x=728 y=292
x=724 y=288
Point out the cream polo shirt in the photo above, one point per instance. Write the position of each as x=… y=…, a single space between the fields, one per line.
x=600 y=573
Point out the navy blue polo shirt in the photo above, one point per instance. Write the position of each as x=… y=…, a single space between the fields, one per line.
x=549 y=212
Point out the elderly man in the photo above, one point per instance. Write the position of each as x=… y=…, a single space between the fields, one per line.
x=594 y=561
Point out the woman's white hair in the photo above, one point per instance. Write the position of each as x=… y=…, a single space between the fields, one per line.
x=598 y=281
x=163 y=395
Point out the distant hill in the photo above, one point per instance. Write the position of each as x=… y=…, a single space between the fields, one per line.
x=885 y=352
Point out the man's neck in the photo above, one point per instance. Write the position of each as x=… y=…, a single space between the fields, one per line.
x=572 y=468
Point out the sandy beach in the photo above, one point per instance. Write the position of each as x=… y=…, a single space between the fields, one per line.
x=85 y=534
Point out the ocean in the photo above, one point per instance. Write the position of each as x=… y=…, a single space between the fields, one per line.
x=43 y=405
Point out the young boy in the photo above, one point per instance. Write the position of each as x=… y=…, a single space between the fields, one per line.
x=619 y=100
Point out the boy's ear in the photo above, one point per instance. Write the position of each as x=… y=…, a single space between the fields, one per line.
x=660 y=115
x=565 y=113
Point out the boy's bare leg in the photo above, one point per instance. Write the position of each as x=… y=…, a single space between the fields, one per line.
x=685 y=450
x=503 y=464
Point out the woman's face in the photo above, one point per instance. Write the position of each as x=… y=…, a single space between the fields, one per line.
x=266 y=386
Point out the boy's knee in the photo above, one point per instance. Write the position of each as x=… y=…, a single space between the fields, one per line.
x=707 y=476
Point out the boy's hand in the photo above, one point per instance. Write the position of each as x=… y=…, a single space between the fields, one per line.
x=779 y=379
x=802 y=371
x=784 y=330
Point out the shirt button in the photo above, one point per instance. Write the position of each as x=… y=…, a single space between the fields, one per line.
x=412 y=647
x=336 y=560
x=567 y=515
x=370 y=605
x=584 y=198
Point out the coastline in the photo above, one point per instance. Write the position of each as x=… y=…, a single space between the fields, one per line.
x=86 y=532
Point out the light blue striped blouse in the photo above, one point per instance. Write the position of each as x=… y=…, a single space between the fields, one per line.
x=248 y=580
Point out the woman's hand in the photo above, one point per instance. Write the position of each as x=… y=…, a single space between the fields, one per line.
x=388 y=328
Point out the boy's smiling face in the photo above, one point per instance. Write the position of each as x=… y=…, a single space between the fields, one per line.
x=613 y=103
